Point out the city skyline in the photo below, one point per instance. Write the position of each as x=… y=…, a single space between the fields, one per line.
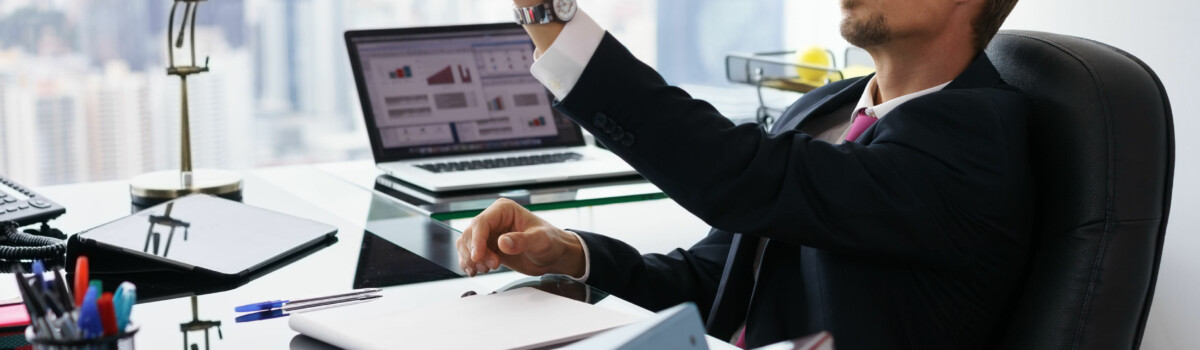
x=84 y=95
x=86 y=98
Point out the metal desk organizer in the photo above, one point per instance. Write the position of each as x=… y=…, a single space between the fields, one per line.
x=781 y=70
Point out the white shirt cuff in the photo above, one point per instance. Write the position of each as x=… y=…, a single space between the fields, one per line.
x=587 y=260
x=561 y=65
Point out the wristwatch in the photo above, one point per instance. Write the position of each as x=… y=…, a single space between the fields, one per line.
x=546 y=12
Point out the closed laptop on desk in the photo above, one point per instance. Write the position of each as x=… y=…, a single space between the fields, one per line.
x=454 y=108
x=523 y=318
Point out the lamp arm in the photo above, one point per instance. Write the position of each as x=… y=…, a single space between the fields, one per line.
x=171 y=33
x=195 y=8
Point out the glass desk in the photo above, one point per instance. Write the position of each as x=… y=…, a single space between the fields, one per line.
x=467 y=204
x=534 y=197
x=380 y=243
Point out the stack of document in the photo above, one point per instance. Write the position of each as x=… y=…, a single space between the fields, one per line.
x=522 y=318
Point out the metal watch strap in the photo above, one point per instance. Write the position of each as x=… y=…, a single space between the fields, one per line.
x=538 y=14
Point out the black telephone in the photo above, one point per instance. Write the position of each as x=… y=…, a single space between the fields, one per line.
x=21 y=207
x=24 y=207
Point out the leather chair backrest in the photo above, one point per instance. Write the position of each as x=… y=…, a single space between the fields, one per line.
x=1103 y=148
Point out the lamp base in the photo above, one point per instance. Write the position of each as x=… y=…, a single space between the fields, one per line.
x=152 y=188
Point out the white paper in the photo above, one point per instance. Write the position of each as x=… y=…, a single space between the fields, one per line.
x=517 y=319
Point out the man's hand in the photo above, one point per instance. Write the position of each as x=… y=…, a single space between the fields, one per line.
x=506 y=233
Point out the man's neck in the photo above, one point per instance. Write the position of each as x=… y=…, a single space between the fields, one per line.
x=903 y=68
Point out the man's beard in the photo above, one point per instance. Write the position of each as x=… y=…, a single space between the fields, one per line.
x=871 y=32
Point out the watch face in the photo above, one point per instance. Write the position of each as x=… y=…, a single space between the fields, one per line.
x=564 y=9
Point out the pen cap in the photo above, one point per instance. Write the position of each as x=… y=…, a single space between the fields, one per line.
x=81 y=279
x=108 y=314
x=89 y=314
x=123 y=300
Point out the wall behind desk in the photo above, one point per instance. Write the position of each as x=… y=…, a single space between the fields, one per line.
x=1163 y=34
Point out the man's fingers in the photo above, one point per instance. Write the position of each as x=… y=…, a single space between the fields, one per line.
x=508 y=245
x=498 y=217
x=482 y=242
x=482 y=265
x=493 y=261
x=464 y=256
x=533 y=243
x=477 y=242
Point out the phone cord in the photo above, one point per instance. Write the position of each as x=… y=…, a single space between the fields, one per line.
x=45 y=244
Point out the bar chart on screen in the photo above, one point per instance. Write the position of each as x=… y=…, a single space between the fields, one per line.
x=496 y=104
x=428 y=89
x=443 y=76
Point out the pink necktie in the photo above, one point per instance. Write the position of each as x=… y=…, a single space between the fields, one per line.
x=861 y=122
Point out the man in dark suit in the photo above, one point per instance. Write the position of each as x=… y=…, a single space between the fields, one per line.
x=893 y=210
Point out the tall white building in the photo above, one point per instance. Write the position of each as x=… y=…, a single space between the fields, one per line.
x=43 y=132
x=117 y=109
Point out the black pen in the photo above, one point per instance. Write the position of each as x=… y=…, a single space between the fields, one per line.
x=33 y=304
x=64 y=296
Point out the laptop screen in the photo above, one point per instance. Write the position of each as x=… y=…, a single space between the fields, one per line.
x=440 y=91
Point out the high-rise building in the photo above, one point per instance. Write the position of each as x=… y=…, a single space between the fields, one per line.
x=118 y=30
x=300 y=61
x=59 y=138
x=117 y=110
x=44 y=131
x=5 y=114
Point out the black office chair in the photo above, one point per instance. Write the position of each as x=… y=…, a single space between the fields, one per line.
x=1103 y=148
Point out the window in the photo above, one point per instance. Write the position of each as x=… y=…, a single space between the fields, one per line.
x=84 y=95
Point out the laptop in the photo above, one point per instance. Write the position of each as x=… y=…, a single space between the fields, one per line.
x=456 y=108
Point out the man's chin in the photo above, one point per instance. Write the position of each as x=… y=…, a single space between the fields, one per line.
x=865 y=33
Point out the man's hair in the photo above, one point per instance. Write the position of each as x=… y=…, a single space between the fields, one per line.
x=990 y=18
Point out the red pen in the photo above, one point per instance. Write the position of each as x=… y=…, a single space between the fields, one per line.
x=81 y=279
x=108 y=315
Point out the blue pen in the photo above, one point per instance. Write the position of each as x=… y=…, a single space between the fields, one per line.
x=261 y=315
x=89 y=315
x=275 y=304
x=39 y=275
x=293 y=307
x=123 y=300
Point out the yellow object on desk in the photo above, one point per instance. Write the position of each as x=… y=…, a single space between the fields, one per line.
x=807 y=62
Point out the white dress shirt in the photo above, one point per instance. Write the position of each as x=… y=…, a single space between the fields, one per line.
x=867 y=103
x=561 y=65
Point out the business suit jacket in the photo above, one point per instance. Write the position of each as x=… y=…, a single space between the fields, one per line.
x=915 y=236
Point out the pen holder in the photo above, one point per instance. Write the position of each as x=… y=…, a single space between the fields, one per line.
x=123 y=341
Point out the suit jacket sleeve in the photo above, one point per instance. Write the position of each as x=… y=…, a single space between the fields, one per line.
x=659 y=281
x=931 y=187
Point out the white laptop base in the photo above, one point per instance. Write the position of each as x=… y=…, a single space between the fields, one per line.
x=595 y=163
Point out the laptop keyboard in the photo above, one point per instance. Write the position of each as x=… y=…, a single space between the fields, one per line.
x=501 y=162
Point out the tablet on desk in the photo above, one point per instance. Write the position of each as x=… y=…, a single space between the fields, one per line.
x=198 y=234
